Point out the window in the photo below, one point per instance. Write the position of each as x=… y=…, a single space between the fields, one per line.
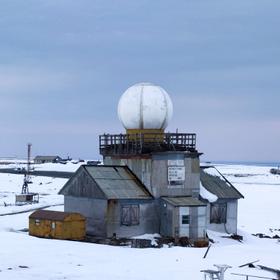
x=185 y=219
x=130 y=215
x=53 y=225
x=37 y=222
x=218 y=213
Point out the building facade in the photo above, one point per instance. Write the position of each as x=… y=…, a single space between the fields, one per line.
x=165 y=168
x=222 y=209
x=47 y=159
x=113 y=200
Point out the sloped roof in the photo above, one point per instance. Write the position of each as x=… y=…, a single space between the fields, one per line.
x=115 y=182
x=214 y=182
x=184 y=201
x=51 y=215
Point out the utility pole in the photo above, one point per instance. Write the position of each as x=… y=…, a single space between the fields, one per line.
x=27 y=178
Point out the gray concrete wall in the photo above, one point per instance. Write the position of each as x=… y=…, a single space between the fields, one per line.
x=94 y=210
x=167 y=216
x=153 y=172
x=231 y=224
x=103 y=218
x=149 y=219
x=160 y=184
x=141 y=167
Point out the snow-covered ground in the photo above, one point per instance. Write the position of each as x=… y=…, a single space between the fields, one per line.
x=11 y=184
x=23 y=257
x=70 y=166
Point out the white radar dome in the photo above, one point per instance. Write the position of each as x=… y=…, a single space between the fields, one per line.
x=145 y=106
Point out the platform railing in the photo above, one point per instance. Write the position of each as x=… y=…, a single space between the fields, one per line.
x=132 y=144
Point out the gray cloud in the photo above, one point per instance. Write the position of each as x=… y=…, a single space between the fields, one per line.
x=64 y=65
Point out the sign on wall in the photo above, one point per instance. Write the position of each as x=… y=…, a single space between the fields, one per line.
x=176 y=173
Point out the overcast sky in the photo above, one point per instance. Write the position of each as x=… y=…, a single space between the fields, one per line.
x=65 y=63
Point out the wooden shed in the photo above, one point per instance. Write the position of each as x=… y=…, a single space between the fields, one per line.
x=113 y=200
x=58 y=225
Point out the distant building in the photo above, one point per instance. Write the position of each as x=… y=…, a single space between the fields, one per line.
x=58 y=225
x=151 y=181
x=47 y=159
x=93 y=162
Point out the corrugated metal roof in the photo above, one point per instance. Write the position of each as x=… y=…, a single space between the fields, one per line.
x=184 y=201
x=50 y=215
x=108 y=172
x=118 y=182
x=219 y=185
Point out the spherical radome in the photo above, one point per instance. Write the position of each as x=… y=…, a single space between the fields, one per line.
x=145 y=106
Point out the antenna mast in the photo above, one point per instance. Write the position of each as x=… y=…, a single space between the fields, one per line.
x=26 y=179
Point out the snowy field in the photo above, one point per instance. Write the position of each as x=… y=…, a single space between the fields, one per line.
x=23 y=257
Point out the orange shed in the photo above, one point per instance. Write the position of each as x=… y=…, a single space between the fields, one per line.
x=58 y=225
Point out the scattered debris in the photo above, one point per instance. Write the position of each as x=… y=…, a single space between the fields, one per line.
x=141 y=243
x=254 y=276
x=236 y=237
x=250 y=264
x=206 y=253
x=157 y=242
x=275 y=171
x=201 y=243
x=270 y=269
x=242 y=175
x=184 y=242
x=169 y=241
x=262 y=235
x=23 y=266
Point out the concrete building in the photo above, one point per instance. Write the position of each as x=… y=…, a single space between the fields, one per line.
x=166 y=164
